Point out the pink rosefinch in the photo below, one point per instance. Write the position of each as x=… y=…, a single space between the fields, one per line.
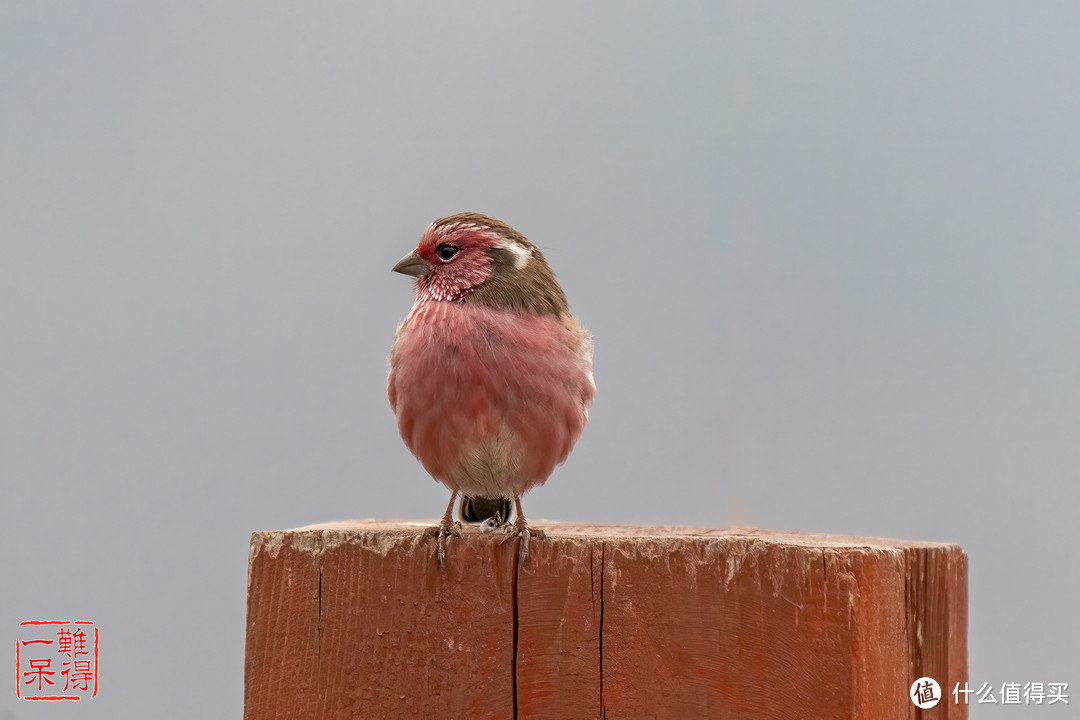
x=490 y=376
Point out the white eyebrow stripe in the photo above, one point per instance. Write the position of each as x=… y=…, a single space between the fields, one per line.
x=520 y=252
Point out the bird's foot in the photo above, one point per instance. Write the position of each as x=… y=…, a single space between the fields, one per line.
x=520 y=528
x=446 y=527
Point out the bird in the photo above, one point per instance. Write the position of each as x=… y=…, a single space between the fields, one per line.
x=490 y=376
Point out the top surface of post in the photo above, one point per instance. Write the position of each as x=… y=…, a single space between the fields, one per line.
x=555 y=529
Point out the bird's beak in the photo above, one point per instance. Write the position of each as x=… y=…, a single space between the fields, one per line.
x=412 y=264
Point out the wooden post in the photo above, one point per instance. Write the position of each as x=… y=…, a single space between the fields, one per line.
x=357 y=620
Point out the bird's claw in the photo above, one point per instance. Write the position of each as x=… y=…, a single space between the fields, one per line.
x=520 y=528
x=445 y=527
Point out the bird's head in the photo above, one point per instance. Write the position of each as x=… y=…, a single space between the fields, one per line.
x=474 y=258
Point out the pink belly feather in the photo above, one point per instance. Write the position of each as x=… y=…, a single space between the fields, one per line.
x=489 y=401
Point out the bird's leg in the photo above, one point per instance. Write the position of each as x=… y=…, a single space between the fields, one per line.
x=520 y=527
x=446 y=526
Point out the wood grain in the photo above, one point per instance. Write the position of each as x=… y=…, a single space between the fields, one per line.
x=357 y=620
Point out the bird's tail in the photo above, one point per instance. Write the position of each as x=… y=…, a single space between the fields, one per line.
x=489 y=513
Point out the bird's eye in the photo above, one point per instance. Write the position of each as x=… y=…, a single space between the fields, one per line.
x=446 y=251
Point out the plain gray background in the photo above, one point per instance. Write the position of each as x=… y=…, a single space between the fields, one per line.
x=828 y=252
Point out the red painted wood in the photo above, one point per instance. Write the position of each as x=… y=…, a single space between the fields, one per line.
x=357 y=620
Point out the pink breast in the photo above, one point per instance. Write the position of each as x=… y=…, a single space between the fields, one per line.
x=460 y=374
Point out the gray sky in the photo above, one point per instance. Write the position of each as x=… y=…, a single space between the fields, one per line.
x=828 y=253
